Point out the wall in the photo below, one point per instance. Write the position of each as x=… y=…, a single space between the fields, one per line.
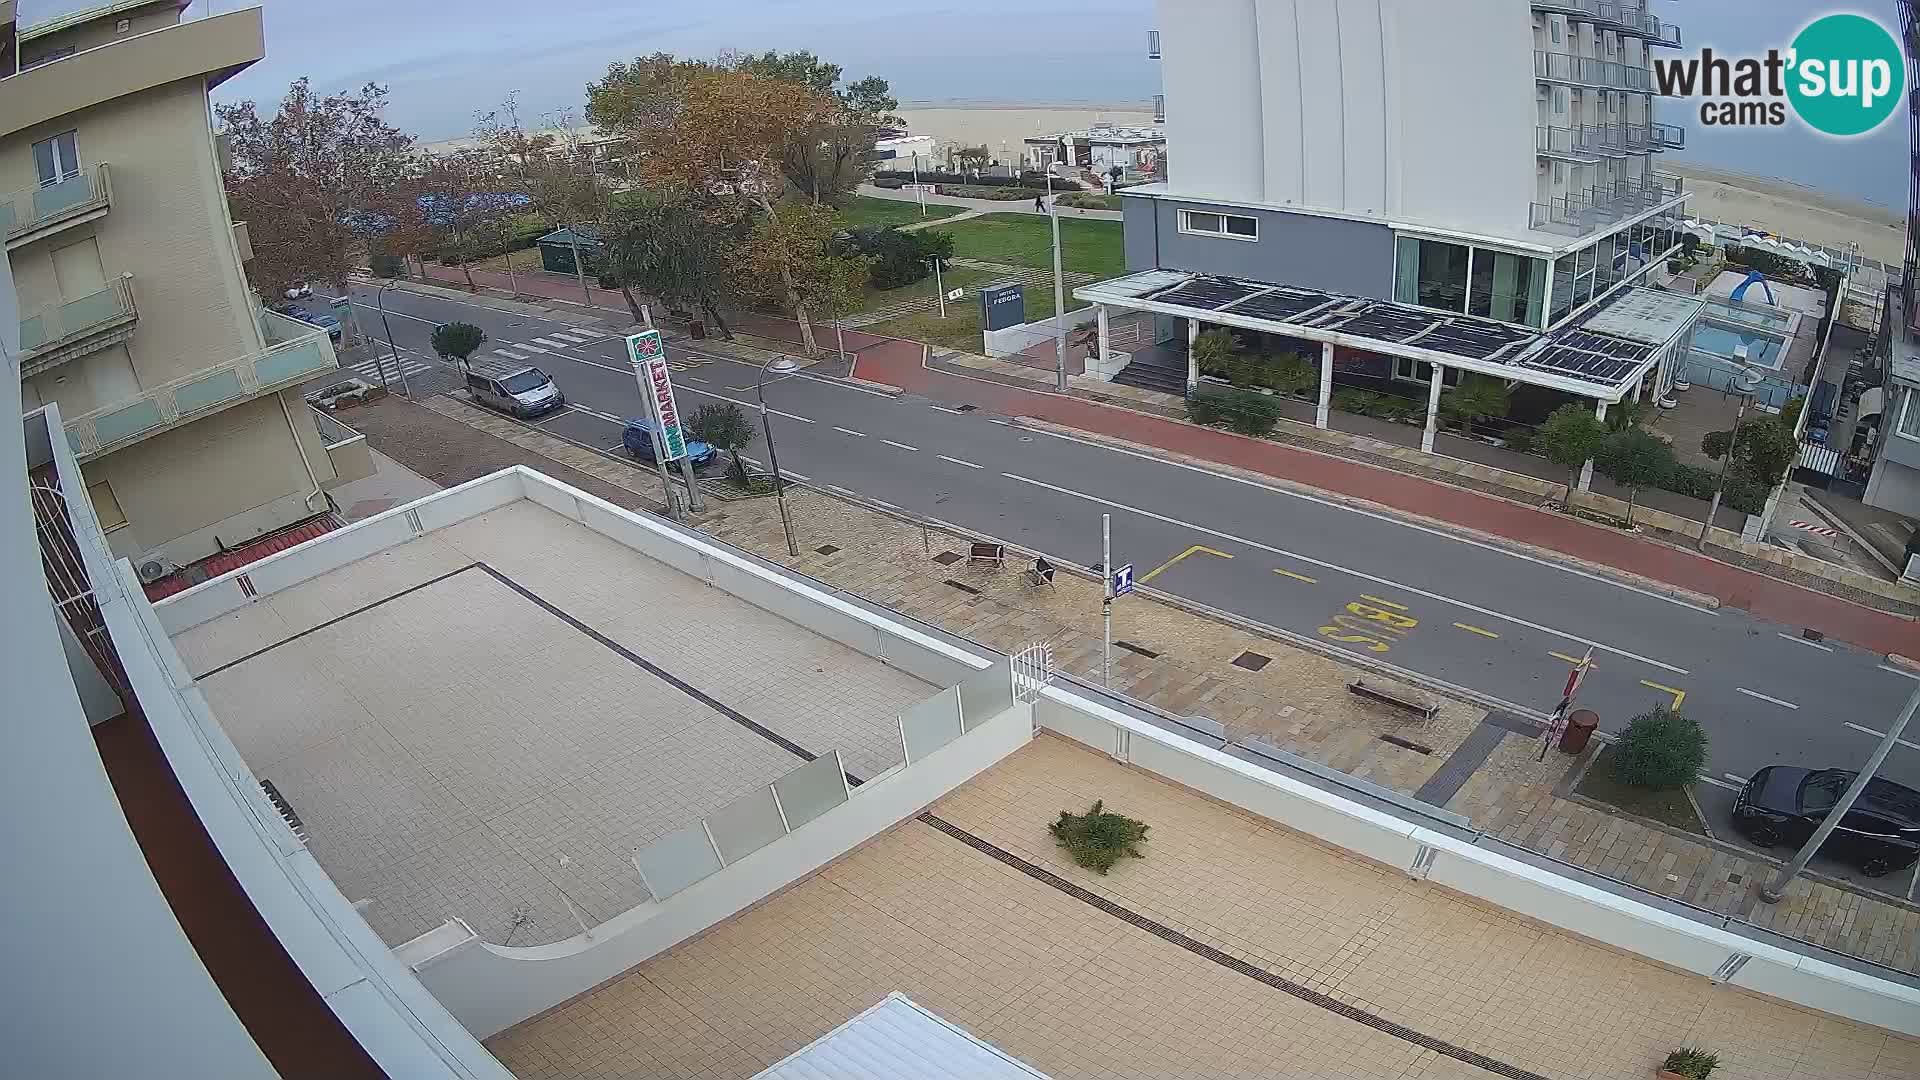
x=1210 y=70
x=490 y=987
x=168 y=226
x=101 y=31
x=1894 y=486
x=1527 y=890
x=234 y=475
x=1335 y=254
x=1012 y=339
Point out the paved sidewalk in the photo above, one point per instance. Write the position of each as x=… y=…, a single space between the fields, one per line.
x=994 y=206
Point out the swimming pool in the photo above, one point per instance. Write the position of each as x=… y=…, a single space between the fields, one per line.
x=1763 y=350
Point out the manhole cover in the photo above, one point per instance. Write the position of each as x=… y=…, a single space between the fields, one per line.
x=963 y=587
x=947 y=558
x=1252 y=661
x=826 y=549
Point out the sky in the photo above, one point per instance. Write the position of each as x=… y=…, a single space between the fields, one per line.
x=443 y=60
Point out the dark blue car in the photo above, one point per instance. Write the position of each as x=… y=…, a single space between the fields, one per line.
x=638 y=439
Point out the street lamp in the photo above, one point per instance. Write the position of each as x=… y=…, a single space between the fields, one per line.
x=1059 y=293
x=1744 y=384
x=380 y=298
x=781 y=366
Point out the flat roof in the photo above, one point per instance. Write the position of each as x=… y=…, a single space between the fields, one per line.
x=899 y=1038
x=1600 y=356
x=486 y=721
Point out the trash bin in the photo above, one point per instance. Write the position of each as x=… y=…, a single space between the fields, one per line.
x=1579 y=730
x=697 y=330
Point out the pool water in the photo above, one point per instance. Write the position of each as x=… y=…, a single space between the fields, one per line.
x=1763 y=350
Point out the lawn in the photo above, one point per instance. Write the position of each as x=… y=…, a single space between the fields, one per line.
x=866 y=210
x=1087 y=246
x=1667 y=807
x=961 y=328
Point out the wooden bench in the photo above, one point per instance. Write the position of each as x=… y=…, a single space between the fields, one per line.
x=1041 y=572
x=994 y=555
x=1421 y=709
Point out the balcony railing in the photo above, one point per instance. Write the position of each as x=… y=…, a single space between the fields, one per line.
x=54 y=335
x=1628 y=17
x=1159 y=108
x=1669 y=136
x=202 y=393
x=1588 y=71
x=1560 y=142
x=1153 y=44
x=346 y=449
x=1582 y=212
x=35 y=212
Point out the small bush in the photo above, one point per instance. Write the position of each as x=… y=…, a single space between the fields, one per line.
x=1358 y=402
x=1097 y=839
x=1691 y=1063
x=1249 y=413
x=1519 y=440
x=1203 y=408
x=1659 y=751
x=889 y=184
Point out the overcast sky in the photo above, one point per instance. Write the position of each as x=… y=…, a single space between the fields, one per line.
x=445 y=59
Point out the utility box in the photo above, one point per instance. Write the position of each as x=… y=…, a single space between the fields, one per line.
x=1580 y=728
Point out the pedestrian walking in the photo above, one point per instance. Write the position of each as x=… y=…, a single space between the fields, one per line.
x=1039 y=204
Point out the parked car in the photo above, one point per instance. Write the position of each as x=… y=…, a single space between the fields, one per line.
x=300 y=291
x=1783 y=805
x=638 y=438
x=526 y=392
x=325 y=320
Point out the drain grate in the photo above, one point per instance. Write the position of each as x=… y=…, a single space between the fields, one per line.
x=947 y=558
x=1251 y=660
x=964 y=587
x=1140 y=649
x=826 y=549
x=1406 y=744
x=967 y=408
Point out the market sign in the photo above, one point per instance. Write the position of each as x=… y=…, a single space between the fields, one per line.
x=648 y=354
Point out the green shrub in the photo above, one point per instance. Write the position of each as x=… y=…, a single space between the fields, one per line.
x=1098 y=839
x=889 y=184
x=1660 y=750
x=1203 y=408
x=1691 y=1063
x=1249 y=413
x=1519 y=440
x=1291 y=374
x=1359 y=402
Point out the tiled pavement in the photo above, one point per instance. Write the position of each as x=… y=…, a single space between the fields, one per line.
x=1078 y=992
x=1298 y=698
x=457 y=750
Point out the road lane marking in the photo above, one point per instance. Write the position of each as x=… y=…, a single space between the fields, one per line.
x=1803 y=641
x=574 y=336
x=695 y=378
x=508 y=355
x=943 y=408
x=1574 y=660
x=530 y=348
x=846 y=431
x=1678 y=695
x=900 y=445
x=1002 y=423
x=1298 y=577
x=1719 y=783
x=396 y=314
x=1377 y=516
x=788 y=474
x=1476 y=630
x=552 y=344
x=1763 y=697
x=1384 y=603
x=1902 y=672
x=957 y=461
x=1196 y=549
x=1881 y=735
x=1390 y=583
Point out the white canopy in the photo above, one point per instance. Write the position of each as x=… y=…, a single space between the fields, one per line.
x=896 y=1039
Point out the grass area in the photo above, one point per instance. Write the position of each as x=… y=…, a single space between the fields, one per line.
x=1086 y=246
x=1667 y=807
x=867 y=210
x=970 y=280
x=961 y=328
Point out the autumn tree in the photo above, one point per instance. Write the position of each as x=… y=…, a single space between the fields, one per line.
x=461 y=203
x=827 y=161
x=314 y=179
x=548 y=171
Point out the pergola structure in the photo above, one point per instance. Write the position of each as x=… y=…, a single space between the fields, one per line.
x=1605 y=355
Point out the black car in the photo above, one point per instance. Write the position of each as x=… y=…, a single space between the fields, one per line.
x=1783 y=805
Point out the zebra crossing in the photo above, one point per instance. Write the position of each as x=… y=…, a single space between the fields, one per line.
x=371 y=370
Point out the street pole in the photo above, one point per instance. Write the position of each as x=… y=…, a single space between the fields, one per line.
x=1059 y=294
x=1720 y=488
x=380 y=297
x=513 y=283
x=1776 y=889
x=785 y=367
x=917 y=189
x=659 y=448
x=940 y=287
x=579 y=271
x=840 y=336
x=1106 y=603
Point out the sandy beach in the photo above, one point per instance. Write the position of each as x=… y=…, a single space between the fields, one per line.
x=1776 y=205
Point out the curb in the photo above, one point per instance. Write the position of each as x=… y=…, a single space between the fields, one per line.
x=1904 y=663
x=498 y=303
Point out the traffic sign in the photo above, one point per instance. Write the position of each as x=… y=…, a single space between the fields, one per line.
x=648 y=355
x=955 y=294
x=1122 y=582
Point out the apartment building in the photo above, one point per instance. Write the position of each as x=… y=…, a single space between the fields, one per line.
x=1894 y=483
x=1490 y=157
x=134 y=315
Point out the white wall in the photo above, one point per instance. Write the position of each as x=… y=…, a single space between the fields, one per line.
x=490 y=987
x=1210 y=70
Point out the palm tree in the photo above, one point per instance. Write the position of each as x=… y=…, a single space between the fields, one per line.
x=1477 y=398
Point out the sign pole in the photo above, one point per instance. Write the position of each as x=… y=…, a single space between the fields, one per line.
x=1106 y=602
x=939 y=288
x=1565 y=709
x=647 y=352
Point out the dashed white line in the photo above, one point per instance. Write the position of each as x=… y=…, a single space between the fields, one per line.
x=723 y=397
x=529 y=348
x=1766 y=698
x=1803 y=641
x=958 y=461
x=900 y=445
x=1002 y=423
x=508 y=355
x=1902 y=672
x=850 y=431
x=1354 y=573
x=943 y=408
x=1719 y=783
x=1881 y=735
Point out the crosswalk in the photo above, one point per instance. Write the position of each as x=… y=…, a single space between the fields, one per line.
x=371 y=370
x=524 y=352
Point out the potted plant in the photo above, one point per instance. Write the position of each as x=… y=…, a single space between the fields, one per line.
x=1688 y=1063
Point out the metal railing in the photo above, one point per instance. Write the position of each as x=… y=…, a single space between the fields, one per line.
x=28 y=209
x=1668 y=136
x=1632 y=18
x=50 y=328
x=1581 y=212
x=1153 y=44
x=205 y=391
x=278 y=328
x=1562 y=141
x=333 y=433
x=1159 y=108
x=1590 y=71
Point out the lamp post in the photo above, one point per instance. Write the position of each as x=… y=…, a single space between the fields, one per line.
x=782 y=366
x=1059 y=293
x=380 y=298
x=1745 y=385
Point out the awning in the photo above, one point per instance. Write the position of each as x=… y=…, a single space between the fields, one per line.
x=1873 y=402
x=895 y=1039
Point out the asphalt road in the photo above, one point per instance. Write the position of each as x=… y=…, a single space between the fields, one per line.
x=1475 y=615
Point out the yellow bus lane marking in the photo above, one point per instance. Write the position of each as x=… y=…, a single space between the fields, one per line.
x=1678 y=695
x=1196 y=549
x=1298 y=577
x=1476 y=630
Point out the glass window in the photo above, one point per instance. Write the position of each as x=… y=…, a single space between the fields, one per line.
x=521 y=382
x=1507 y=287
x=58 y=158
x=1910 y=416
x=1242 y=226
x=1585 y=265
x=1198 y=221
x=1238 y=226
x=1442 y=279
x=1406 y=270
x=106 y=508
x=1563 y=272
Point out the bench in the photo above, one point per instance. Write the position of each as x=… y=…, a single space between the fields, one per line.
x=994 y=555
x=1041 y=573
x=1421 y=709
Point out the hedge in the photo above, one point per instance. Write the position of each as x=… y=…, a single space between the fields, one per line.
x=930 y=176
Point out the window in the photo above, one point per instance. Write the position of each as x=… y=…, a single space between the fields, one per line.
x=1560 y=101
x=1553 y=27
x=1910 y=416
x=1507 y=287
x=1207 y=223
x=58 y=158
x=1431 y=273
x=1422 y=372
x=1559 y=174
x=1562 y=288
x=105 y=506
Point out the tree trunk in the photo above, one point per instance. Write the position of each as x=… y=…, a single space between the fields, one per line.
x=1632 y=495
x=793 y=291
x=633 y=305
x=718 y=319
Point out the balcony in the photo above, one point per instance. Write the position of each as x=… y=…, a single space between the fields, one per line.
x=1159 y=108
x=38 y=212
x=1153 y=44
x=1582 y=212
x=1668 y=136
x=1562 y=142
x=1624 y=17
x=53 y=336
x=200 y=394
x=347 y=450
x=1586 y=71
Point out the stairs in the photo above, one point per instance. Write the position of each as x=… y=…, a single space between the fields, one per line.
x=1151 y=372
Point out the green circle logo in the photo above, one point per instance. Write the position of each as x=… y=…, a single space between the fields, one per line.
x=1847 y=75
